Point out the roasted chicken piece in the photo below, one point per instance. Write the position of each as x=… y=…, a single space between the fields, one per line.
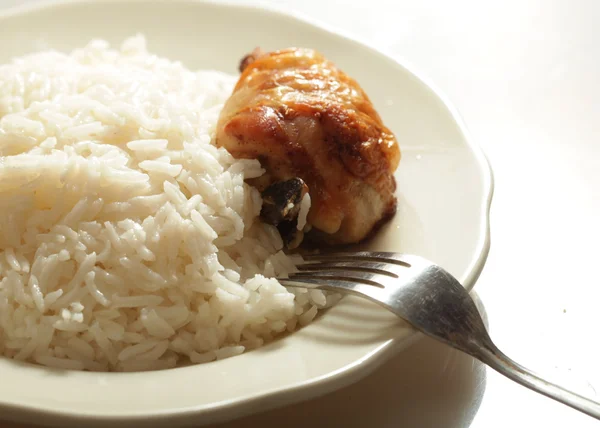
x=302 y=117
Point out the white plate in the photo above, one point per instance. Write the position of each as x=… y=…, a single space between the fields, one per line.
x=444 y=190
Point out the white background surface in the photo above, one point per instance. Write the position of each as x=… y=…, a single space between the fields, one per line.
x=526 y=77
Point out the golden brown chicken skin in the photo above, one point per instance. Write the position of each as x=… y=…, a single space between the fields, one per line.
x=301 y=116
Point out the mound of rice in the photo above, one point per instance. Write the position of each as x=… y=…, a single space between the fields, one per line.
x=127 y=240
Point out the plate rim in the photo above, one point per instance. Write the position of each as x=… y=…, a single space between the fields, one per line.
x=350 y=373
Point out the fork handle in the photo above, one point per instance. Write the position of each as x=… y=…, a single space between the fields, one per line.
x=494 y=358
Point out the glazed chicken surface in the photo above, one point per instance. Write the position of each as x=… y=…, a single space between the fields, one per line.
x=303 y=118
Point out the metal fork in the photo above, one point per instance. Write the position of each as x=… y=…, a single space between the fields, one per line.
x=431 y=300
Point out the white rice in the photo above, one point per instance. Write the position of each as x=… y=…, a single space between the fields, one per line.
x=304 y=207
x=127 y=240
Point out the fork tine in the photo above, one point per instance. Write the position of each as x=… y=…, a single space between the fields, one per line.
x=373 y=256
x=313 y=283
x=367 y=278
x=331 y=284
x=373 y=267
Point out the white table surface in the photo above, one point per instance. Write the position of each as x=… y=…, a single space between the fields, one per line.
x=526 y=77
